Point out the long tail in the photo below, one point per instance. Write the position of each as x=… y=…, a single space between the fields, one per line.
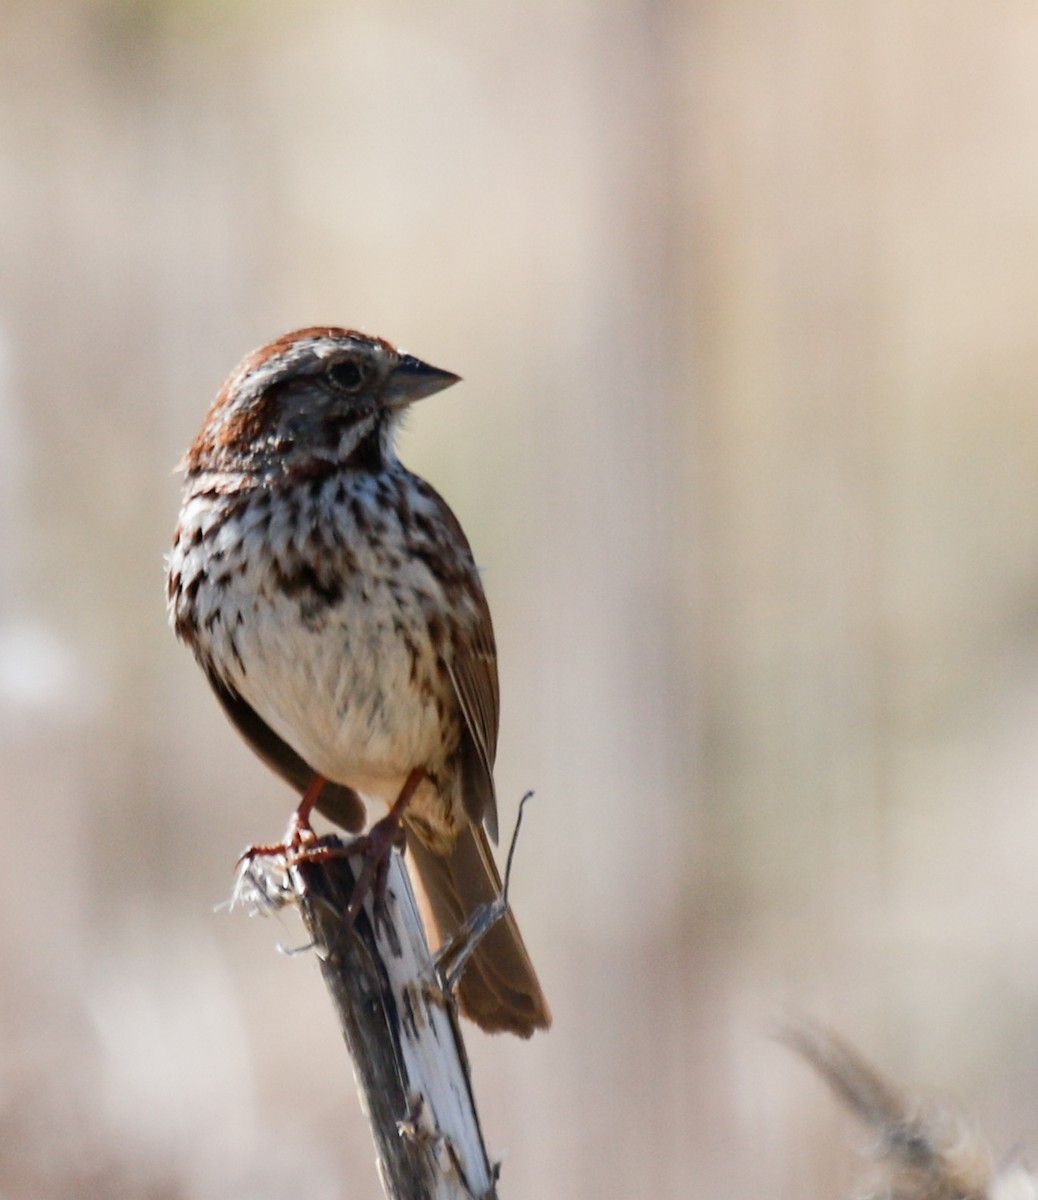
x=499 y=989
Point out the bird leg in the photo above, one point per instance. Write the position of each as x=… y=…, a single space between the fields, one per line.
x=299 y=828
x=375 y=847
x=299 y=831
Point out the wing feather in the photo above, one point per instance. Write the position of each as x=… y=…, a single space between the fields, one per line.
x=470 y=655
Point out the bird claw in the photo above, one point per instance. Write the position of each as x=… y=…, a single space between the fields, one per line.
x=298 y=834
x=374 y=848
x=301 y=845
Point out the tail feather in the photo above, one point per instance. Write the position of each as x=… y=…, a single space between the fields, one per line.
x=499 y=989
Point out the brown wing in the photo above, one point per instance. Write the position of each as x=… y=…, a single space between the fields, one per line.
x=471 y=659
x=472 y=666
x=339 y=804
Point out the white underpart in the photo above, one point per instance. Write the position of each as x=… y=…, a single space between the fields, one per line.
x=339 y=690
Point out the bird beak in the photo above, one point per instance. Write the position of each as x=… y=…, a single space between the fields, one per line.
x=411 y=379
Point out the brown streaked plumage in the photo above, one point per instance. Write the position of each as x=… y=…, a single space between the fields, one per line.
x=331 y=598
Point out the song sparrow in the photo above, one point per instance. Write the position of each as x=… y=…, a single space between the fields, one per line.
x=332 y=600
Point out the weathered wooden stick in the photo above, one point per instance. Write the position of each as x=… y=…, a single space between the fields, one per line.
x=399 y=1023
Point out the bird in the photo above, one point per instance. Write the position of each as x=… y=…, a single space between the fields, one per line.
x=331 y=598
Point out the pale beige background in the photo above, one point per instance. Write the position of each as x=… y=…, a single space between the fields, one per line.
x=745 y=296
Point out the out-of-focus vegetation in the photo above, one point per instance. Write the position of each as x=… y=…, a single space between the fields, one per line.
x=743 y=295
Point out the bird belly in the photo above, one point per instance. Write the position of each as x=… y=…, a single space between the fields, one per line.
x=345 y=696
x=357 y=701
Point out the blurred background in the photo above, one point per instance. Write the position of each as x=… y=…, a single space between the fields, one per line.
x=744 y=298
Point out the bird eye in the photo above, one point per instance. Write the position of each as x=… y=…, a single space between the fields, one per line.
x=347 y=374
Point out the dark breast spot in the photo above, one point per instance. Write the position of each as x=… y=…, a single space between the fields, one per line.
x=184 y=629
x=302 y=580
x=360 y=515
x=424 y=526
x=437 y=633
x=367 y=454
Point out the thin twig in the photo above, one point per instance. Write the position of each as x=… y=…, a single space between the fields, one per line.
x=458 y=949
